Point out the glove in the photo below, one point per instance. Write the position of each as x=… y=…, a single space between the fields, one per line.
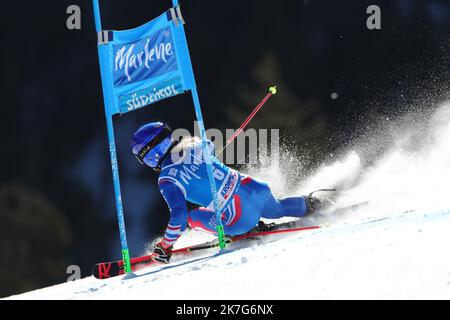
x=161 y=252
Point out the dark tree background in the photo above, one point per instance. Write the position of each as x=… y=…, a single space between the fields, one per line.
x=56 y=194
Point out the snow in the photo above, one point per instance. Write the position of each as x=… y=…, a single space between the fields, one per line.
x=395 y=247
x=396 y=256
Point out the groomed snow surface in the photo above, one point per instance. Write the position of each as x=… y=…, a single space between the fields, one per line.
x=395 y=247
x=397 y=256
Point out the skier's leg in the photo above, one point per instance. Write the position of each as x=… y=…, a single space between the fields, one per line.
x=200 y=220
x=241 y=214
x=293 y=206
x=276 y=208
x=238 y=217
x=284 y=207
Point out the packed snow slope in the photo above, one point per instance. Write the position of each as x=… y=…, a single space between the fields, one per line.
x=397 y=256
x=393 y=247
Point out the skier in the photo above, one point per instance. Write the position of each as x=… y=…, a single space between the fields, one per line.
x=183 y=179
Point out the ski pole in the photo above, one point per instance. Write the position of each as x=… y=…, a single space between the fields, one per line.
x=272 y=91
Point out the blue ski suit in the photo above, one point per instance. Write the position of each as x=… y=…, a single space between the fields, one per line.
x=242 y=199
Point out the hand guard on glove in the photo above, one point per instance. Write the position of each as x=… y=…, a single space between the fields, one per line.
x=161 y=252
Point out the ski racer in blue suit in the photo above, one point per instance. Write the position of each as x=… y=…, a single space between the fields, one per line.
x=183 y=178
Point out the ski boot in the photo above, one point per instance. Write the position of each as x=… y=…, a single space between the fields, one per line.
x=315 y=204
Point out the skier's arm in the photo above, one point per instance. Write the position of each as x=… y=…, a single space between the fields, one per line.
x=178 y=212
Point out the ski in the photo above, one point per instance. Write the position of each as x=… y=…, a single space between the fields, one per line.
x=105 y=270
